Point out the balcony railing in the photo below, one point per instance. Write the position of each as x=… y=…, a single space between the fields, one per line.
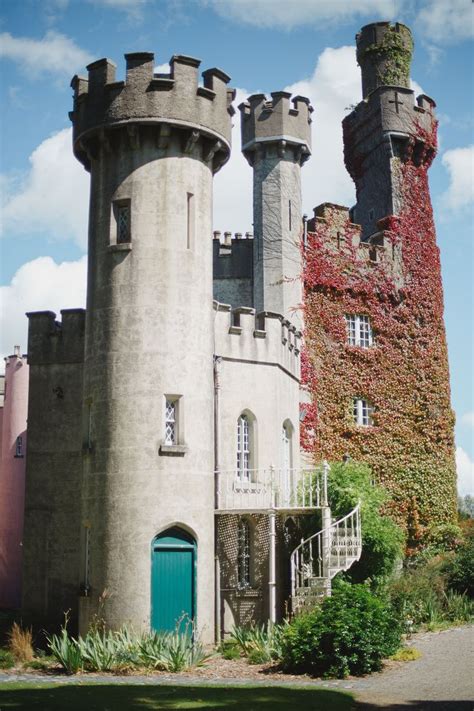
x=253 y=490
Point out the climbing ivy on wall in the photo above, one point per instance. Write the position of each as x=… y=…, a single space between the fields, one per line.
x=410 y=446
x=393 y=57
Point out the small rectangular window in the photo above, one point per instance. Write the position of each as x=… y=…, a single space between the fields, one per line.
x=371 y=214
x=123 y=224
x=171 y=422
x=289 y=215
x=190 y=221
x=19 y=447
x=362 y=412
x=359 y=330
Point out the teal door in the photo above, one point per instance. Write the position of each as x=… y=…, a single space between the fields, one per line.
x=172 y=580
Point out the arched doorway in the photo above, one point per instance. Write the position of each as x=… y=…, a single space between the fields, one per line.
x=173 y=580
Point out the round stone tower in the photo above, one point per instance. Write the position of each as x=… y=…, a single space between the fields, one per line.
x=384 y=53
x=152 y=144
x=276 y=141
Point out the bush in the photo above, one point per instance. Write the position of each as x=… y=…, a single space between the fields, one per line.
x=20 y=642
x=350 y=633
x=421 y=594
x=382 y=539
x=7 y=660
x=460 y=572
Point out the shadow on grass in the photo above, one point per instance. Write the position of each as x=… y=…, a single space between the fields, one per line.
x=130 y=697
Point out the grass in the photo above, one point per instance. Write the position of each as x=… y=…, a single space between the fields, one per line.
x=20 y=642
x=406 y=654
x=134 y=697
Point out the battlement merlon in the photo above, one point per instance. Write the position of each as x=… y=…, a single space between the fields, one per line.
x=390 y=116
x=265 y=338
x=277 y=121
x=384 y=53
x=51 y=341
x=149 y=99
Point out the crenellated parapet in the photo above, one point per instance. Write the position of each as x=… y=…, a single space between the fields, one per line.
x=342 y=238
x=391 y=120
x=51 y=341
x=105 y=109
x=282 y=122
x=265 y=338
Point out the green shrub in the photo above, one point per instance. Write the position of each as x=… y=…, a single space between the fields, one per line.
x=460 y=572
x=421 y=596
x=66 y=651
x=260 y=643
x=350 y=633
x=382 y=539
x=229 y=649
x=7 y=660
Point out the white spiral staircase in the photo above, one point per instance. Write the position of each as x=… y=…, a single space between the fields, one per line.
x=316 y=560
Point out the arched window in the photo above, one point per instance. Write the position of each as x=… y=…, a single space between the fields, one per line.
x=286 y=437
x=243 y=554
x=362 y=412
x=244 y=447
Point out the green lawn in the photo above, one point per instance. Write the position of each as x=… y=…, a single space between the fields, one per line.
x=134 y=697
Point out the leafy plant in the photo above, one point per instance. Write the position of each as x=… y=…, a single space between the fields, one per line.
x=460 y=573
x=382 y=539
x=350 y=633
x=66 y=650
x=260 y=643
x=20 y=642
x=229 y=649
x=406 y=654
x=7 y=660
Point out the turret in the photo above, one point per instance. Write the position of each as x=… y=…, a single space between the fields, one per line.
x=387 y=126
x=276 y=141
x=152 y=144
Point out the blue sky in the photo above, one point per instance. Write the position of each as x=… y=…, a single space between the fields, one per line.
x=306 y=46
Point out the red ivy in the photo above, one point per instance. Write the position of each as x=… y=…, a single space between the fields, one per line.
x=405 y=375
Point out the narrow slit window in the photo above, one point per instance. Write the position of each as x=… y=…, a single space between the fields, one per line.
x=190 y=221
x=171 y=422
x=289 y=215
x=123 y=223
x=243 y=448
x=19 y=447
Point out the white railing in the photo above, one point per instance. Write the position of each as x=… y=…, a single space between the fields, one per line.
x=319 y=558
x=279 y=489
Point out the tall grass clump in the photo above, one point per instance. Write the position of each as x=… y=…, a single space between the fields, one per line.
x=20 y=643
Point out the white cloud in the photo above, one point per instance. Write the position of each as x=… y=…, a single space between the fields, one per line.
x=334 y=85
x=445 y=22
x=468 y=419
x=465 y=470
x=53 y=196
x=287 y=15
x=55 y=54
x=132 y=8
x=39 y=285
x=459 y=162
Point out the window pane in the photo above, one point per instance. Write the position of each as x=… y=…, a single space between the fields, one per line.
x=123 y=224
x=170 y=422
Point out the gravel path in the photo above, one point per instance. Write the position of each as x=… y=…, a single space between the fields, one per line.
x=441 y=680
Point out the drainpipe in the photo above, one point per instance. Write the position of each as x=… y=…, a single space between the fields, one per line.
x=217 y=572
x=272 y=561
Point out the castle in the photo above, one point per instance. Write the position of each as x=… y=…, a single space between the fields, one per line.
x=163 y=463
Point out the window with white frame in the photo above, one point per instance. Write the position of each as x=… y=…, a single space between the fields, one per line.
x=362 y=412
x=359 y=330
x=171 y=421
x=243 y=447
x=243 y=554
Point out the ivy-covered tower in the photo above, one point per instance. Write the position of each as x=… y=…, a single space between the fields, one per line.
x=377 y=364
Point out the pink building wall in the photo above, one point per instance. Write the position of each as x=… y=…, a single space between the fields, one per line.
x=12 y=478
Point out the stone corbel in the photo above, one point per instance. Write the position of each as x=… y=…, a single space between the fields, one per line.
x=191 y=141
x=133 y=136
x=163 y=135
